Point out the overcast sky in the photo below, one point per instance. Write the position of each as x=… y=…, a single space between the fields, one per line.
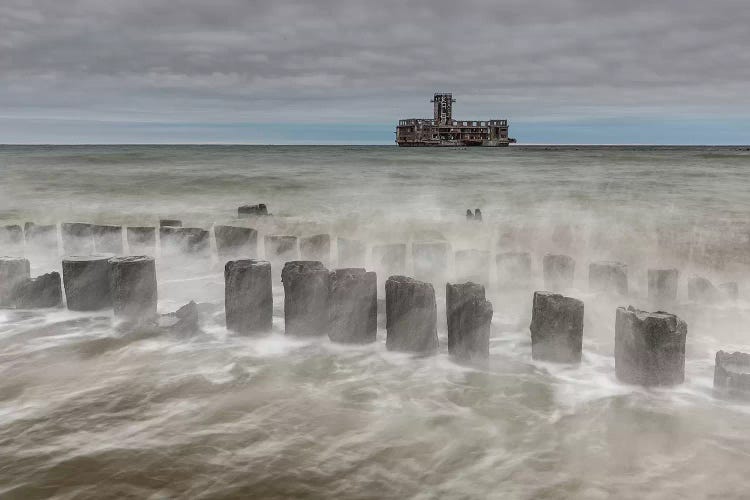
x=281 y=71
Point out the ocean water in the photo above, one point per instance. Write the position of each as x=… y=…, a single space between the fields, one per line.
x=92 y=409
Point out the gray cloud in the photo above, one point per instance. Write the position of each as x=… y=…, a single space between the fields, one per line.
x=376 y=60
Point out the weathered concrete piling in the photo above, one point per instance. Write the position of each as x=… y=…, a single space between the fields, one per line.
x=248 y=300
x=662 y=286
x=233 y=241
x=77 y=238
x=389 y=259
x=608 y=277
x=11 y=236
x=133 y=287
x=170 y=223
x=411 y=315
x=189 y=240
x=431 y=261
x=107 y=239
x=317 y=247
x=352 y=253
x=280 y=249
x=469 y=317
x=141 y=240
x=556 y=328
x=478 y=215
x=513 y=269
x=732 y=372
x=559 y=271
x=353 y=306
x=649 y=347
x=40 y=292
x=13 y=270
x=252 y=210
x=306 y=288
x=469 y=214
x=701 y=289
x=86 y=280
x=41 y=238
x=472 y=265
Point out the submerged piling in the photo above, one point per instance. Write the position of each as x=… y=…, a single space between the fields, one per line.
x=107 y=239
x=77 y=238
x=556 y=328
x=306 y=285
x=732 y=373
x=513 y=269
x=248 y=299
x=86 y=280
x=469 y=316
x=472 y=265
x=234 y=241
x=186 y=240
x=662 y=287
x=702 y=290
x=351 y=253
x=133 y=285
x=353 y=306
x=13 y=270
x=11 y=237
x=608 y=277
x=411 y=315
x=280 y=249
x=559 y=271
x=649 y=347
x=141 y=240
x=170 y=223
x=389 y=259
x=252 y=210
x=316 y=247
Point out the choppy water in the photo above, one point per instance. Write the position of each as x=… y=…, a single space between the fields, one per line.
x=88 y=410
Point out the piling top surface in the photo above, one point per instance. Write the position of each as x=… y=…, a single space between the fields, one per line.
x=554 y=256
x=303 y=266
x=468 y=288
x=280 y=237
x=669 y=270
x=556 y=297
x=246 y=264
x=675 y=324
x=130 y=259
x=406 y=280
x=13 y=259
x=141 y=228
x=88 y=258
x=736 y=361
x=608 y=263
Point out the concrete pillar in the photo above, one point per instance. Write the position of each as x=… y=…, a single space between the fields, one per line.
x=352 y=253
x=186 y=240
x=280 y=249
x=353 y=306
x=248 y=301
x=134 y=293
x=730 y=290
x=77 y=238
x=478 y=215
x=306 y=288
x=649 y=347
x=469 y=215
x=317 y=247
x=252 y=210
x=170 y=223
x=513 y=270
x=556 y=328
x=472 y=265
x=702 y=290
x=13 y=270
x=732 y=373
x=233 y=241
x=431 y=261
x=142 y=240
x=11 y=237
x=411 y=315
x=559 y=271
x=469 y=317
x=608 y=277
x=662 y=287
x=41 y=239
x=389 y=260
x=40 y=292
x=86 y=280
x=107 y=239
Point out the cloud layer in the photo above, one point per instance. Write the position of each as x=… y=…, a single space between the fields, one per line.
x=355 y=61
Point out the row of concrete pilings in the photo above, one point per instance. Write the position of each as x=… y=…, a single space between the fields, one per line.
x=343 y=304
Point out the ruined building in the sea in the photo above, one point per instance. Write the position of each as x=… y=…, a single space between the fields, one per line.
x=443 y=130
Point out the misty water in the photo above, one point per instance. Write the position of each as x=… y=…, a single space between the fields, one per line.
x=89 y=409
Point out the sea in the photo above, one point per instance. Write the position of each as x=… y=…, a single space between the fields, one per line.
x=90 y=408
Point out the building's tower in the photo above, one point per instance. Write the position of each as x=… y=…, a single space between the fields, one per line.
x=443 y=108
